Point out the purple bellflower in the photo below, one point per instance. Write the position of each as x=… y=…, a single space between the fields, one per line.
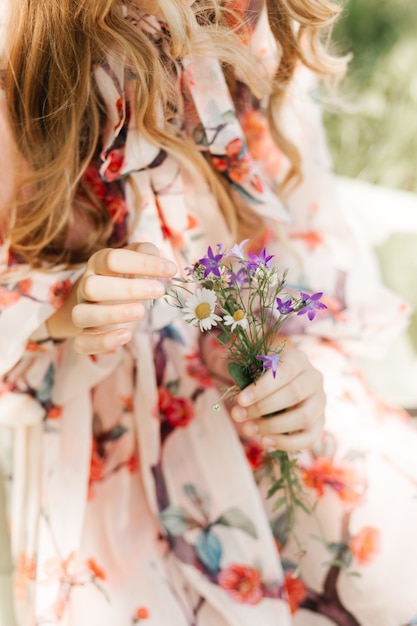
x=211 y=262
x=236 y=251
x=311 y=304
x=285 y=307
x=269 y=362
x=256 y=261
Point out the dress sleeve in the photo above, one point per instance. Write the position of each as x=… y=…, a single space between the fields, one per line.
x=27 y=297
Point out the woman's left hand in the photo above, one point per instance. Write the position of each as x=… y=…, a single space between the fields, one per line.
x=296 y=394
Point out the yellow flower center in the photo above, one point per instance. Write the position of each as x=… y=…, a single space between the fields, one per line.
x=202 y=311
x=239 y=315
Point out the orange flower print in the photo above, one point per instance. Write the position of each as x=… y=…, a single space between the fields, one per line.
x=177 y=411
x=54 y=412
x=141 y=614
x=260 y=143
x=94 y=182
x=8 y=298
x=117 y=209
x=116 y=160
x=25 y=286
x=96 y=570
x=242 y=583
x=32 y=346
x=127 y=403
x=25 y=572
x=132 y=464
x=5 y=388
x=254 y=453
x=311 y=238
x=366 y=544
x=345 y=482
x=197 y=370
x=296 y=591
x=59 y=292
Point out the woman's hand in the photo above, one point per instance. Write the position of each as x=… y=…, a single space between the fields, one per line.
x=297 y=391
x=111 y=295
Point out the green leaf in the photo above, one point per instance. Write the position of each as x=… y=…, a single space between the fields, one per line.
x=173 y=386
x=280 y=528
x=209 y=550
x=175 y=520
x=199 y=498
x=240 y=374
x=223 y=337
x=235 y=518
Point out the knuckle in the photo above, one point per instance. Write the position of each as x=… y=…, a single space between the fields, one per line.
x=80 y=346
x=132 y=289
x=89 y=288
x=148 y=248
x=112 y=259
x=77 y=315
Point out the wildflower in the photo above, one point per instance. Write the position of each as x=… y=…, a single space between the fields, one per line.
x=211 y=263
x=237 y=319
x=238 y=278
x=311 y=304
x=270 y=362
x=243 y=583
x=199 y=309
x=285 y=307
x=257 y=261
x=236 y=251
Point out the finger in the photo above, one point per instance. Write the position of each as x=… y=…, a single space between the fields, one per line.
x=94 y=342
x=113 y=261
x=88 y=315
x=292 y=363
x=299 y=389
x=96 y=288
x=299 y=418
x=295 y=441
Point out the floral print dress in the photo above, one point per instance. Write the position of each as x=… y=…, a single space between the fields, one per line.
x=129 y=500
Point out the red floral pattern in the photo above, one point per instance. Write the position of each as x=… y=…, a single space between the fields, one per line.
x=177 y=411
x=242 y=583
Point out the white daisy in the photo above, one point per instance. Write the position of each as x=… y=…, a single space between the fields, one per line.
x=237 y=319
x=199 y=309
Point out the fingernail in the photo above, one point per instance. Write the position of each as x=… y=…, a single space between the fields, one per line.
x=250 y=429
x=246 y=397
x=239 y=414
x=168 y=267
x=268 y=443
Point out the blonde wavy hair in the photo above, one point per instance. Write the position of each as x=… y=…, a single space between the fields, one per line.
x=56 y=110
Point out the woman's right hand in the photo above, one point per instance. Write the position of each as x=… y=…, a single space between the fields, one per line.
x=111 y=295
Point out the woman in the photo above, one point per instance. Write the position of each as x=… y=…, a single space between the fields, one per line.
x=137 y=134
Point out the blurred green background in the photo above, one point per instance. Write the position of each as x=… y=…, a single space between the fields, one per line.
x=372 y=133
x=373 y=136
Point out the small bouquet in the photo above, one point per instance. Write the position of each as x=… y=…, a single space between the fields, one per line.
x=239 y=297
